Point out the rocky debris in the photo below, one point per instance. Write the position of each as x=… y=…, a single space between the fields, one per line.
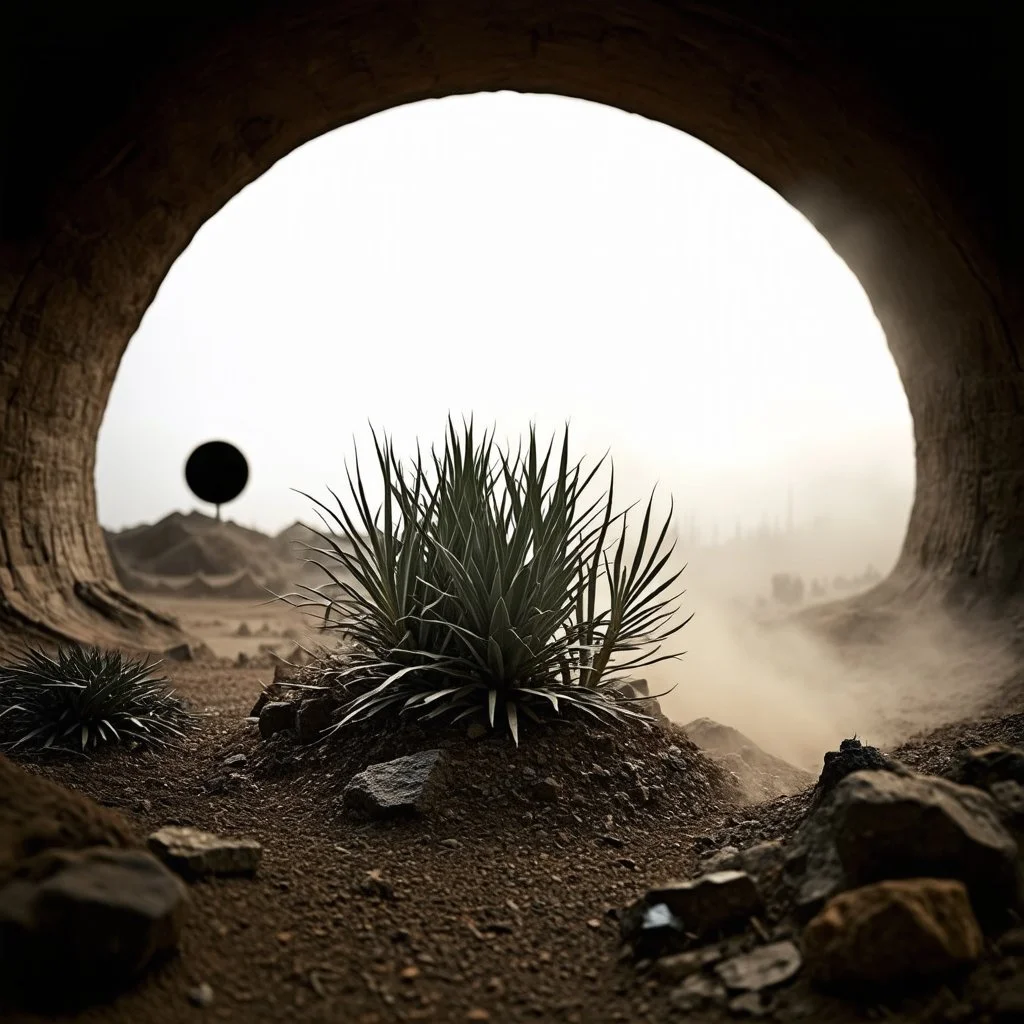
x=852 y=756
x=984 y=766
x=710 y=903
x=893 y=931
x=270 y=692
x=676 y=967
x=314 y=715
x=196 y=854
x=879 y=825
x=101 y=914
x=652 y=930
x=697 y=991
x=406 y=785
x=1009 y=798
x=758 y=861
x=759 y=775
x=763 y=967
x=891 y=826
x=234 y=760
x=189 y=652
x=277 y=716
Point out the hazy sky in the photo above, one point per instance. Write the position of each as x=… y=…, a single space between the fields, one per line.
x=519 y=258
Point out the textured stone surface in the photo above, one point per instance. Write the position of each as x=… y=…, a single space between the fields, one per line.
x=711 y=902
x=277 y=716
x=862 y=128
x=983 y=766
x=406 y=785
x=194 y=853
x=893 y=931
x=889 y=826
x=101 y=914
x=315 y=714
x=761 y=968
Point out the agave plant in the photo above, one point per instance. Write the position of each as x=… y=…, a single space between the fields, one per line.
x=474 y=588
x=82 y=697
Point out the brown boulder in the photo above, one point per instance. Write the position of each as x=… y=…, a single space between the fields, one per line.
x=892 y=932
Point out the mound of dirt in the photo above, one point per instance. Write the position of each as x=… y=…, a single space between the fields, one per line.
x=37 y=815
x=186 y=545
x=575 y=772
x=761 y=776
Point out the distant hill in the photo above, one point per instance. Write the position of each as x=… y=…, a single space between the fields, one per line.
x=195 y=555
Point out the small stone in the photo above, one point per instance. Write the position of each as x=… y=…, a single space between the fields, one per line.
x=277 y=716
x=763 y=858
x=406 y=785
x=763 y=967
x=546 y=790
x=681 y=965
x=696 y=991
x=711 y=902
x=410 y=973
x=314 y=716
x=235 y=759
x=893 y=931
x=452 y=844
x=749 y=1004
x=201 y=995
x=196 y=854
x=659 y=932
x=478 y=1013
x=725 y=859
x=613 y=841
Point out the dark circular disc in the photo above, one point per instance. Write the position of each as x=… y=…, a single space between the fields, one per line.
x=216 y=472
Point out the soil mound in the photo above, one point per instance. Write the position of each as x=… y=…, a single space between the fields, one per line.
x=570 y=773
x=186 y=545
x=761 y=776
x=37 y=815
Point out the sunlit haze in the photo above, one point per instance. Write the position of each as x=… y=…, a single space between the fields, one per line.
x=520 y=258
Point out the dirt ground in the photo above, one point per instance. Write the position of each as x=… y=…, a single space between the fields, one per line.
x=497 y=909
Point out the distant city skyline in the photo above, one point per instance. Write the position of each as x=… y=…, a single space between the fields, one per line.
x=523 y=259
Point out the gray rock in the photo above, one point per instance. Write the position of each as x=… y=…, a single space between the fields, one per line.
x=678 y=966
x=406 y=785
x=852 y=756
x=995 y=763
x=102 y=914
x=196 y=854
x=314 y=715
x=711 y=902
x=696 y=991
x=181 y=652
x=235 y=759
x=277 y=716
x=763 y=967
x=725 y=859
x=749 y=1004
x=762 y=859
x=891 y=826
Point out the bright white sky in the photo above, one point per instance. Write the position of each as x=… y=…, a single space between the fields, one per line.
x=519 y=258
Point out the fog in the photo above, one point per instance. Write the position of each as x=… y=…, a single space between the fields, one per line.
x=533 y=259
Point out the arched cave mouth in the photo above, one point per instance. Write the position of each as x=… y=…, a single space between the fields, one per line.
x=113 y=209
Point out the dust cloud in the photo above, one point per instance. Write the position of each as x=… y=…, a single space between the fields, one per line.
x=799 y=675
